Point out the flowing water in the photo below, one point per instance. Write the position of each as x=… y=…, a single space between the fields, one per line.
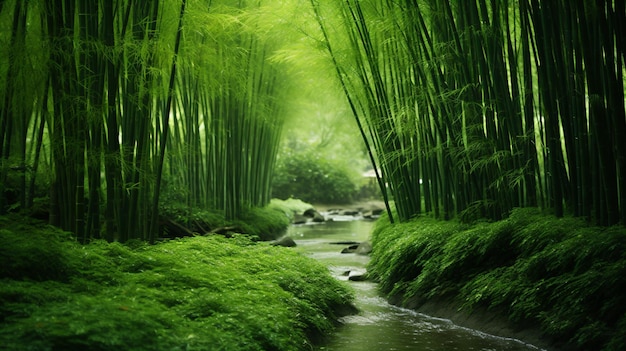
x=380 y=326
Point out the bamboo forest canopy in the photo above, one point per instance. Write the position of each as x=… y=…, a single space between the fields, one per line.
x=475 y=107
x=112 y=103
x=467 y=108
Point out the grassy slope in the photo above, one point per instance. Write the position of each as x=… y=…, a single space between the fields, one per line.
x=266 y=223
x=197 y=293
x=561 y=275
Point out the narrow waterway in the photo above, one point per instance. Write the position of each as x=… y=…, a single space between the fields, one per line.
x=380 y=326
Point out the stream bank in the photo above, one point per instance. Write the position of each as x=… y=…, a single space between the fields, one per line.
x=560 y=276
x=194 y=293
x=379 y=325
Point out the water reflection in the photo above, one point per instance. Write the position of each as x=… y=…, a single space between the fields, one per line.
x=380 y=326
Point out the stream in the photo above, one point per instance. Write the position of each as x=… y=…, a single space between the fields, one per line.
x=380 y=326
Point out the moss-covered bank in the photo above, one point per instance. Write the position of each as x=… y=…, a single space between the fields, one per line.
x=558 y=277
x=262 y=223
x=196 y=293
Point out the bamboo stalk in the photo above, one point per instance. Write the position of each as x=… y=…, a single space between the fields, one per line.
x=164 y=136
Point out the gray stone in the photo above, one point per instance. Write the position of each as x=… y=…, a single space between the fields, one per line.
x=284 y=241
x=350 y=249
x=357 y=276
x=350 y=213
x=314 y=215
x=344 y=243
x=364 y=248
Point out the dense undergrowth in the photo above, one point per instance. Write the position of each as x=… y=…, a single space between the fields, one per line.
x=195 y=293
x=536 y=270
x=262 y=223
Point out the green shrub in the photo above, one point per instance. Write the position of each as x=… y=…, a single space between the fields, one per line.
x=264 y=223
x=307 y=176
x=291 y=206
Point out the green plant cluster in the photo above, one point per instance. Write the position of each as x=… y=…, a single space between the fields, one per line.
x=262 y=223
x=197 y=293
x=307 y=176
x=290 y=207
x=560 y=274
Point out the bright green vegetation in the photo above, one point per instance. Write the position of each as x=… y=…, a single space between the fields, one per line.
x=197 y=293
x=108 y=105
x=482 y=106
x=119 y=116
x=259 y=223
x=467 y=108
x=291 y=206
x=112 y=111
x=536 y=270
x=314 y=179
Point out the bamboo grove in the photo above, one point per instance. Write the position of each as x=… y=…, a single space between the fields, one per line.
x=467 y=108
x=472 y=108
x=109 y=104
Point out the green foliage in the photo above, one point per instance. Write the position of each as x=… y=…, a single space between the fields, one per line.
x=198 y=293
x=200 y=107
x=559 y=274
x=29 y=252
x=404 y=252
x=264 y=223
x=195 y=219
x=451 y=99
x=291 y=206
x=307 y=176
